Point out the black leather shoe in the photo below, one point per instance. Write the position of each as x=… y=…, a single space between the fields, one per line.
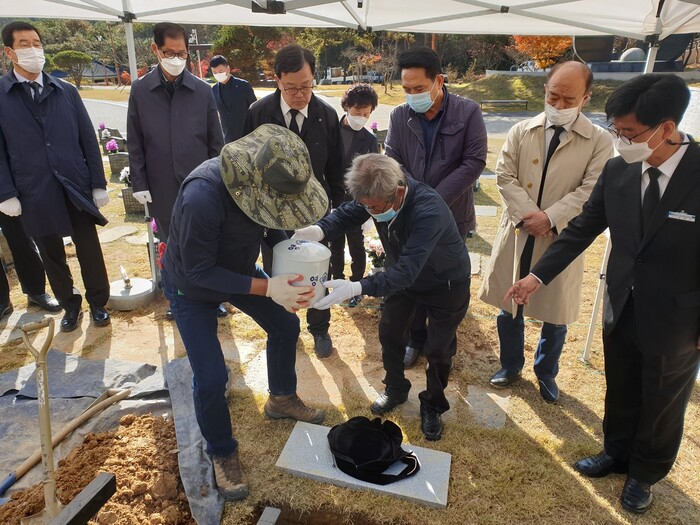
x=411 y=356
x=430 y=423
x=504 y=378
x=99 y=316
x=636 y=496
x=387 y=401
x=6 y=309
x=600 y=465
x=71 y=319
x=549 y=390
x=45 y=302
x=323 y=346
x=221 y=311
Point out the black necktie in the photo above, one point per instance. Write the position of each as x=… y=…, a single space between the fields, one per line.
x=293 y=125
x=33 y=89
x=553 y=144
x=651 y=198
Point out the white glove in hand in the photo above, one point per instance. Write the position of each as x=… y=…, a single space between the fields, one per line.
x=342 y=290
x=310 y=233
x=286 y=295
x=11 y=207
x=100 y=196
x=143 y=196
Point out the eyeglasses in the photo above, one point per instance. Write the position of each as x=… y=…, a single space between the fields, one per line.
x=626 y=140
x=295 y=91
x=171 y=54
x=373 y=210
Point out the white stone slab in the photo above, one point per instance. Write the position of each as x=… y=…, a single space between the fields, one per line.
x=485 y=211
x=475 y=259
x=307 y=454
x=112 y=234
x=488 y=407
x=137 y=239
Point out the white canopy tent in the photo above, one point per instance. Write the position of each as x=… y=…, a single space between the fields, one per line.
x=641 y=19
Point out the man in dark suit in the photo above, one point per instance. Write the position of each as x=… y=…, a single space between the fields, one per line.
x=294 y=106
x=51 y=173
x=172 y=126
x=233 y=97
x=649 y=198
x=358 y=102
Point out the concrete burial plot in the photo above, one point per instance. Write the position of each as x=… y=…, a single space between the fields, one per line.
x=308 y=455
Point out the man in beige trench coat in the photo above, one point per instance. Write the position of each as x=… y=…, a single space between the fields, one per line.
x=546 y=172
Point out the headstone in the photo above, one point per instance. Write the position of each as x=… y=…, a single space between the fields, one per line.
x=112 y=234
x=691 y=120
x=307 y=454
x=485 y=211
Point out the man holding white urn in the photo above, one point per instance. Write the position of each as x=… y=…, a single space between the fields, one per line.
x=259 y=185
x=427 y=265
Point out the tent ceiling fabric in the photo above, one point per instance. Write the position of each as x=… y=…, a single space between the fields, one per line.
x=634 y=18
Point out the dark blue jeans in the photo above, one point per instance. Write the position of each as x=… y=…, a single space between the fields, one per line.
x=511 y=335
x=197 y=323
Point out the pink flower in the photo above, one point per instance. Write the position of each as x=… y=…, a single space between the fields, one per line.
x=101 y=125
x=112 y=146
x=373 y=126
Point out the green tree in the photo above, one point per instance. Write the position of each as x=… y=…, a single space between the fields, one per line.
x=250 y=49
x=73 y=63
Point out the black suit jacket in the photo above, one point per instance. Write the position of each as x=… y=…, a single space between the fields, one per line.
x=233 y=115
x=660 y=269
x=320 y=133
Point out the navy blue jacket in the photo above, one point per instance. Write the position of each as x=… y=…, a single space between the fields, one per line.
x=213 y=245
x=233 y=115
x=47 y=151
x=423 y=246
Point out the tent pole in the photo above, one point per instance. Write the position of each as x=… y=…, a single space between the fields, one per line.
x=653 y=40
x=128 y=19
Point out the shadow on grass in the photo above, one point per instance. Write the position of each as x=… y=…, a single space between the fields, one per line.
x=478 y=244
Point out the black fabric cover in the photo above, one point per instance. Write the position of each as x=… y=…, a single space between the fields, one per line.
x=364 y=449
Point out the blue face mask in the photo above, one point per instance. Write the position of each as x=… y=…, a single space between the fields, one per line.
x=385 y=216
x=421 y=102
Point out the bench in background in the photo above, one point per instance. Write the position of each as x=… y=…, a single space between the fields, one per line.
x=504 y=103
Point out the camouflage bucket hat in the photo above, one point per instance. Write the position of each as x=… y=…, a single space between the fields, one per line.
x=268 y=174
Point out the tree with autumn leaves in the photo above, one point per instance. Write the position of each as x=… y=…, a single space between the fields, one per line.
x=544 y=50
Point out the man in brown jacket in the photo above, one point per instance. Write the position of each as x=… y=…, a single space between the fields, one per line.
x=546 y=172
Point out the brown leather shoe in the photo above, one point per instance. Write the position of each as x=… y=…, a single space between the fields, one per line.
x=291 y=407
x=229 y=477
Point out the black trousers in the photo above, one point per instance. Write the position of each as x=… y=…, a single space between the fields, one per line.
x=89 y=252
x=27 y=262
x=645 y=401
x=356 y=247
x=419 y=328
x=445 y=308
x=318 y=321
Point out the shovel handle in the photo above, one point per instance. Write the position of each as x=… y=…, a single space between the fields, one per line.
x=28 y=328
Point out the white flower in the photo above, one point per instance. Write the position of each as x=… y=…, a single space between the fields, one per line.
x=106 y=134
x=124 y=176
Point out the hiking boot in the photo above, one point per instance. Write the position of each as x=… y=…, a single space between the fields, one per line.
x=291 y=407
x=229 y=477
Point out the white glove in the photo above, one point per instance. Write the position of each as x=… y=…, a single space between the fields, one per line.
x=11 y=207
x=342 y=290
x=100 y=196
x=143 y=196
x=310 y=233
x=287 y=295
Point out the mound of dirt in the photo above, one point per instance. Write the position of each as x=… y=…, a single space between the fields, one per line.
x=142 y=453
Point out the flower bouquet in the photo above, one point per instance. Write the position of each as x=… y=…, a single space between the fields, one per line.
x=377 y=256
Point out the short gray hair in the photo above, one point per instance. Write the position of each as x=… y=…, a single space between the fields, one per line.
x=374 y=176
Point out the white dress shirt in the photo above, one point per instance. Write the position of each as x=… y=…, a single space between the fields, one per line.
x=666 y=169
x=286 y=111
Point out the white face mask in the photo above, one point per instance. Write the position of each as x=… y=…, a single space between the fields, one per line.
x=221 y=77
x=174 y=65
x=561 y=117
x=637 y=151
x=31 y=59
x=356 y=123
